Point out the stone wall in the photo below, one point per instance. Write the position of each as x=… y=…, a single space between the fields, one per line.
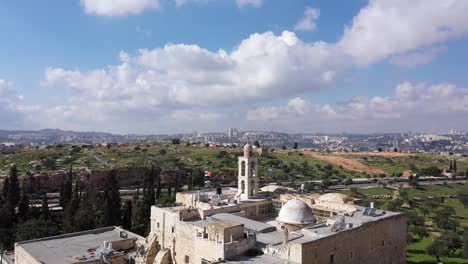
x=382 y=242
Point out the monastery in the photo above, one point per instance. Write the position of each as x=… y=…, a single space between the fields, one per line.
x=247 y=224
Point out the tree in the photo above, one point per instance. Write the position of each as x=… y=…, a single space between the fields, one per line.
x=35 y=228
x=13 y=194
x=453 y=241
x=23 y=207
x=348 y=181
x=420 y=231
x=7 y=213
x=256 y=144
x=111 y=201
x=45 y=213
x=162 y=152
x=5 y=188
x=438 y=248
x=176 y=141
x=295 y=145
x=465 y=243
x=85 y=217
x=455 y=169
x=67 y=190
x=424 y=210
x=462 y=196
x=451 y=166
x=403 y=195
x=127 y=215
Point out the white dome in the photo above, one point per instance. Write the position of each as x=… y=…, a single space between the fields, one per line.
x=296 y=212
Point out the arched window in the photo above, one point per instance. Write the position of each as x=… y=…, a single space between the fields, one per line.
x=252 y=169
x=242 y=186
x=243 y=168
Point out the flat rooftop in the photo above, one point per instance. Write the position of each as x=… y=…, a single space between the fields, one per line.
x=72 y=247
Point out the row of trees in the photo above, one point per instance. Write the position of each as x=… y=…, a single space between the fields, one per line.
x=82 y=209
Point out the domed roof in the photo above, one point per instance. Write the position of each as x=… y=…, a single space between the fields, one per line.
x=335 y=198
x=296 y=212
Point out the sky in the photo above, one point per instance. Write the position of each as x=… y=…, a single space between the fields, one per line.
x=176 y=66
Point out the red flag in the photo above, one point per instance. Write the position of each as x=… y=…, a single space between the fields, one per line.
x=207 y=173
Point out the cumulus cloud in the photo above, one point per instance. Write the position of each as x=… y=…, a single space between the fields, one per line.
x=256 y=3
x=412 y=59
x=118 y=7
x=411 y=105
x=13 y=110
x=181 y=85
x=308 y=22
x=262 y=67
x=385 y=28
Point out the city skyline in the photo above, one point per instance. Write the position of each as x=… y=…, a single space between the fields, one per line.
x=306 y=66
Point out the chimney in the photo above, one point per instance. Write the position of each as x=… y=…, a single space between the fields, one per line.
x=372 y=205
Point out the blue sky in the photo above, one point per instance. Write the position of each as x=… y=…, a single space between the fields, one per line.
x=164 y=66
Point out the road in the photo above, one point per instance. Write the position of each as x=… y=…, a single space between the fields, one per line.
x=396 y=184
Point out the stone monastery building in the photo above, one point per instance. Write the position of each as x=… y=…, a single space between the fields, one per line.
x=265 y=225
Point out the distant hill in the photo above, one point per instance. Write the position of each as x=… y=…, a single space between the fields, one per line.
x=57 y=136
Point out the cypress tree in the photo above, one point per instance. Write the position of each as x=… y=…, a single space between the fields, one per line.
x=112 y=202
x=68 y=189
x=158 y=179
x=62 y=196
x=127 y=215
x=149 y=193
x=23 y=207
x=6 y=186
x=451 y=165
x=13 y=194
x=45 y=213
x=85 y=217
x=455 y=166
x=75 y=201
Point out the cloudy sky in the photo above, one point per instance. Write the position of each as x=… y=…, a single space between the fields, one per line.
x=165 y=66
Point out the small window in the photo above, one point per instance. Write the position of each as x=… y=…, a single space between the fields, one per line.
x=383 y=243
x=172 y=229
x=157 y=224
x=187 y=259
x=351 y=254
x=332 y=259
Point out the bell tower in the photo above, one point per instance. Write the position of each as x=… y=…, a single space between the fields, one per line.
x=248 y=174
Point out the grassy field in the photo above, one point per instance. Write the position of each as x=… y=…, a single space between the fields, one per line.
x=277 y=166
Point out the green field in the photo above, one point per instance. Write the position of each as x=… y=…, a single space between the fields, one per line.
x=220 y=160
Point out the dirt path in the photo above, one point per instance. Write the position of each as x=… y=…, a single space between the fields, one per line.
x=381 y=154
x=339 y=160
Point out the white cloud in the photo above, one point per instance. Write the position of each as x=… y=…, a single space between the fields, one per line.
x=412 y=59
x=118 y=7
x=409 y=108
x=308 y=22
x=187 y=86
x=262 y=67
x=255 y=3
x=385 y=28
x=13 y=110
